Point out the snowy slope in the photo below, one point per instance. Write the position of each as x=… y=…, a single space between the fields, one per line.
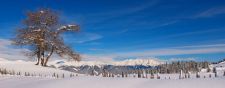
x=29 y=67
x=83 y=81
x=220 y=67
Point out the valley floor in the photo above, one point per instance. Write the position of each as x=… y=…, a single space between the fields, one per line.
x=100 y=82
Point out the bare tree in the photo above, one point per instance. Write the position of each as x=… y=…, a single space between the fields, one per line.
x=41 y=34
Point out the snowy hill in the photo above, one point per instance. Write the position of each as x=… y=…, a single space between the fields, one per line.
x=83 y=81
x=221 y=64
x=220 y=67
x=29 y=67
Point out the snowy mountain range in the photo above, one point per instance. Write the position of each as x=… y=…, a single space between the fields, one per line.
x=116 y=67
x=129 y=62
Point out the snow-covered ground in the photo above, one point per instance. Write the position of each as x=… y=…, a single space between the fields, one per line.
x=29 y=67
x=100 y=82
x=83 y=81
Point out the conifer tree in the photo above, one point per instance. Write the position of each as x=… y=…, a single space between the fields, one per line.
x=158 y=77
x=189 y=74
x=63 y=75
x=197 y=75
x=139 y=74
x=216 y=74
x=152 y=75
x=122 y=74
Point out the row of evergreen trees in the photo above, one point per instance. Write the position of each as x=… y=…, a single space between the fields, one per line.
x=186 y=66
x=152 y=75
x=167 y=68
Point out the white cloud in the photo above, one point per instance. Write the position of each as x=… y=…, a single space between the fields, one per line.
x=104 y=58
x=7 y=52
x=185 y=50
x=182 y=50
x=203 y=46
x=4 y=42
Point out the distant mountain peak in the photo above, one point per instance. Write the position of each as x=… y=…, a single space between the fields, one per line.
x=127 y=62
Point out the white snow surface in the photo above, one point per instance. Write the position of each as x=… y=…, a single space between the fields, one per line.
x=67 y=27
x=100 y=82
x=30 y=67
x=82 y=81
x=221 y=64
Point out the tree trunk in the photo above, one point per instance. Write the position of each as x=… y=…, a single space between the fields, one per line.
x=38 y=56
x=42 y=58
x=42 y=48
x=49 y=55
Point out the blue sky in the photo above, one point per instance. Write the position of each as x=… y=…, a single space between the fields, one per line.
x=166 y=29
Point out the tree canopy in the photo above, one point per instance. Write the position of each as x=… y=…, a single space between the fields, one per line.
x=41 y=33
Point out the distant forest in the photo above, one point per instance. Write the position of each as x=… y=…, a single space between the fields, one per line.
x=185 y=66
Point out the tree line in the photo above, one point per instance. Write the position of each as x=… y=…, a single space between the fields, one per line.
x=186 y=66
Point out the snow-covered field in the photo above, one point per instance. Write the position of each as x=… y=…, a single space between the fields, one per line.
x=29 y=67
x=100 y=82
x=83 y=81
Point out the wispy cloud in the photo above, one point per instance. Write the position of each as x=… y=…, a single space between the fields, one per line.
x=202 y=46
x=182 y=59
x=122 y=31
x=222 y=29
x=94 y=43
x=142 y=44
x=104 y=58
x=8 y=52
x=131 y=10
x=211 y=12
x=159 y=24
x=81 y=37
x=183 y=50
x=170 y=51
x=96 y=49
x=105 y=16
